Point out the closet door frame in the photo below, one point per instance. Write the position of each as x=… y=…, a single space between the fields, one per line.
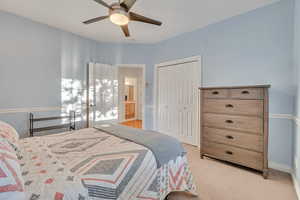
x=198 y=60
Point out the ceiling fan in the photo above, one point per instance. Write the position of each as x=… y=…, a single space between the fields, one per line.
x=119 y=14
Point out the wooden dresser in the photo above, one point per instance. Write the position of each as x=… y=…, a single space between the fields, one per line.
x=234 y=125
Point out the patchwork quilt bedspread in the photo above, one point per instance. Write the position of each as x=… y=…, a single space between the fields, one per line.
x=91 y=165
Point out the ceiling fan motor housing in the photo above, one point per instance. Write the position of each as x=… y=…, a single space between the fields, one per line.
x=117 y=8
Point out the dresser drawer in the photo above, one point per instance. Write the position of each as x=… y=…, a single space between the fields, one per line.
x=233 y=154
x=247 y=93
x=231 y=106
x=238 y=139
x=239 y=123
x=216 y=94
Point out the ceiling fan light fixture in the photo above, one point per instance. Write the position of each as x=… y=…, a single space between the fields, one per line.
x=119 y=17
x=119 y=14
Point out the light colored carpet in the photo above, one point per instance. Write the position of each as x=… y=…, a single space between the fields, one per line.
x=218 y=181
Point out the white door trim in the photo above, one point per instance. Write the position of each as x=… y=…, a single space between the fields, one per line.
x=143 y=66
x=197 y=59
x=179 y=61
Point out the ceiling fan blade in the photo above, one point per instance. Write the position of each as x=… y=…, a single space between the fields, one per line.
x=95 y=20
x=127 y=4
x=103 y=3
x=126 y=30
x=140 y=18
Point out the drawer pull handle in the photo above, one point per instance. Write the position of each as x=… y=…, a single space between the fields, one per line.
x=229 y=121
x=229 y=106
x=229 y=152
x=229 y=137
x=215 y=92
x=245 y=92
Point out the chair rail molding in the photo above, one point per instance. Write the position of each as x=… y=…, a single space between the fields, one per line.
x=297 y=120
x=281 y=116
x=32 y=109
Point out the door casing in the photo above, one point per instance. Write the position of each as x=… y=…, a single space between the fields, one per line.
x=143 y=67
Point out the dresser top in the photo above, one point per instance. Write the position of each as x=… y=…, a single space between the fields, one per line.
x=235 y=87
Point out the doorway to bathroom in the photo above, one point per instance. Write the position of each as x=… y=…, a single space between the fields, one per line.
x=131 y=80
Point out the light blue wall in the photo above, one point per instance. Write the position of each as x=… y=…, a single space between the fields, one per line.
x=29 y=52
x=35 y=58
x=41 y=59
x=254 y=48
x=297 y=82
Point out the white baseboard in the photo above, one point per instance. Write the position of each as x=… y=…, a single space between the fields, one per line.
x=295 y=180
x=296 y=185
x=287 y=169
x=280 y=167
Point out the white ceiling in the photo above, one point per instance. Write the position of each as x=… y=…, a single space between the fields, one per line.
x=178 y=16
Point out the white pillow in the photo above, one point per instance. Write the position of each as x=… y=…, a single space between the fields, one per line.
x=11 y=181
x=10 y=133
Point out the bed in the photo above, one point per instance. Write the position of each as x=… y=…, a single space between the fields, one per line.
x=87 y=164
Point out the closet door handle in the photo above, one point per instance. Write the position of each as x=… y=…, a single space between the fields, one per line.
x=245 y=92
x=229 y=106
x=229 y=137
x=215 y=92
x=229 y=152
x=229 y=121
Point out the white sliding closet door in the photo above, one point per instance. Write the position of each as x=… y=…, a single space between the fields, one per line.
x=178 y=101
x=103 y=93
